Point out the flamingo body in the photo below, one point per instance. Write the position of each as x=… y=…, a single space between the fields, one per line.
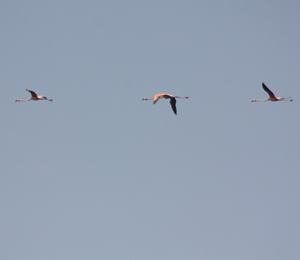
x=166 y=96
x=272 y=97
x=34 y=97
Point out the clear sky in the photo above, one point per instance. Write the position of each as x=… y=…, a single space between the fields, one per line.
x=100 y=174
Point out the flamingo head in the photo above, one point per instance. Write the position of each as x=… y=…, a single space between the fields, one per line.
x=18 y=100
x=144 y=99
x=254 y=100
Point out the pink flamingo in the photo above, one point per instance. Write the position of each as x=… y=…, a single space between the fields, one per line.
x=34 y=97
x=272 y=96
x=167 y=96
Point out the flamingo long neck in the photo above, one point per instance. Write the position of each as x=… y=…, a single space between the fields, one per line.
x=261 y=100
x=20 y=100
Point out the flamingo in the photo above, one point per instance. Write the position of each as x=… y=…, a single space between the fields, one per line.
x=34 y=97
x=166 y=96
x=272 y=96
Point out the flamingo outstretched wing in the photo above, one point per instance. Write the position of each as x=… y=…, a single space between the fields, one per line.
x=33 y=95
x=157 y=97
x=271 y=94
x=173 y=105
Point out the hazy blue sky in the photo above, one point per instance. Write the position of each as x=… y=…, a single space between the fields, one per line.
x=100 y=174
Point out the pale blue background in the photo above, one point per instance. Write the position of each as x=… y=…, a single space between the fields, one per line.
x=100 y=174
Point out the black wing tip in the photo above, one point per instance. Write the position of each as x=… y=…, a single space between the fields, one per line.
x=174 y=110
x=265 y=87
x=173 y=105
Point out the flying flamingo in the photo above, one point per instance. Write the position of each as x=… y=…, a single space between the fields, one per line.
x=34 y=97
x=166 y=96
x=272 y=96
